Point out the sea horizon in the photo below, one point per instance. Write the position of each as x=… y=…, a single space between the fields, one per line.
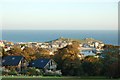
x=41 y=36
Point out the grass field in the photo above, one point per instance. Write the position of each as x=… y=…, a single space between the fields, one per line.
x=56 y=78
x=79 y=40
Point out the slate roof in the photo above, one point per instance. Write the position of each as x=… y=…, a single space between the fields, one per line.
x=11 y=60
x=39 y=63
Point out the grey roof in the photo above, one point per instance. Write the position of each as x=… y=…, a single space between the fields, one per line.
x=11 y=60
x=39 y=63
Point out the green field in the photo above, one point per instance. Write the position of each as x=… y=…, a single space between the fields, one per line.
x=56 y=78
x=79 y=40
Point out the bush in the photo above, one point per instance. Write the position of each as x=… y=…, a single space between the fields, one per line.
x=51 y=73
x=39 y=72
x=25 y=72
x=4 y=73
x=12 y=73
x=32 y=71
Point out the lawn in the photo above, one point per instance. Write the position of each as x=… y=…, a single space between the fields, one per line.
x=56 y=78
x=82 y=40
x=79 y=40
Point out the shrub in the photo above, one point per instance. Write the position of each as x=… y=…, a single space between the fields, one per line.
x=25 y=72
x=4 y=73
x=51 y=73
x=58 y=73
x=32 y=71
x=12 y=73
x=39 y=72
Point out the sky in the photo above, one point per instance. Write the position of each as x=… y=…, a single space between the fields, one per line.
x=59 y=14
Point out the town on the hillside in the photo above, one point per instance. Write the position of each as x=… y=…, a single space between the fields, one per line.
x=63 y=56
x=90 y=47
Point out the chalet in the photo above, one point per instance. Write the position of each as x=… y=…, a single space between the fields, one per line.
x=45 y=64
x=19 y=63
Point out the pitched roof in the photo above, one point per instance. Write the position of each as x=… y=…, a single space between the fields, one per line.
x=11 y=60
x=39 y=63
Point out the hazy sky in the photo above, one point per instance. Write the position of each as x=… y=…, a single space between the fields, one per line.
x=59 y=14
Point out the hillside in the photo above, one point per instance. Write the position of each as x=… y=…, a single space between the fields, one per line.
x=70 y=39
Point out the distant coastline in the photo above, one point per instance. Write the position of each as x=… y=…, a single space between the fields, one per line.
x=106 y=36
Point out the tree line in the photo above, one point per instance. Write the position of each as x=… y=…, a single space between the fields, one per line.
x=107 y=64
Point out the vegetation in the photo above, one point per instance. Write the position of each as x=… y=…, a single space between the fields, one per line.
x=56 y=78
x=66 y=59
x=51 y=73
x=12 y=73
x=70 y=64
x=111 y=62
x=106 y=65
x=92 y=66
x=83 y=40
x=79 y=40
x=32 y=72
x=42 y=53
x=29 y=53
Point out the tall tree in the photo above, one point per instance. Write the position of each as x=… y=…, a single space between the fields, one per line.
x=14 y=51
x=28 y=53
x=92 y=66
x=42 y=53
x=110 y=58
x=68 y=60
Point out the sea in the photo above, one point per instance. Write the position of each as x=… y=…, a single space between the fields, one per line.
x=40 y=36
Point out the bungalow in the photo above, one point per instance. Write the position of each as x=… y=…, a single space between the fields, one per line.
x=45 y=64
x=19 y=63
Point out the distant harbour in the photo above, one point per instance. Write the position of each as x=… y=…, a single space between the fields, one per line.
x=40 y=36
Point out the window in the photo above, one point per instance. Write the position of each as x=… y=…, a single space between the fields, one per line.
x=51 y=63
x=3 y=61
x=13 y=58
x=41 y=60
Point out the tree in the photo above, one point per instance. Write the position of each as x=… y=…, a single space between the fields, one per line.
x=92 y=66
x=68 y=61
x=110 y=58
x=28 y=53
x=22 y=45
x=42 y=53
x=42 y=50
x=14 y=51
x=39 y=55
x=3 y=51
x=113 y=70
